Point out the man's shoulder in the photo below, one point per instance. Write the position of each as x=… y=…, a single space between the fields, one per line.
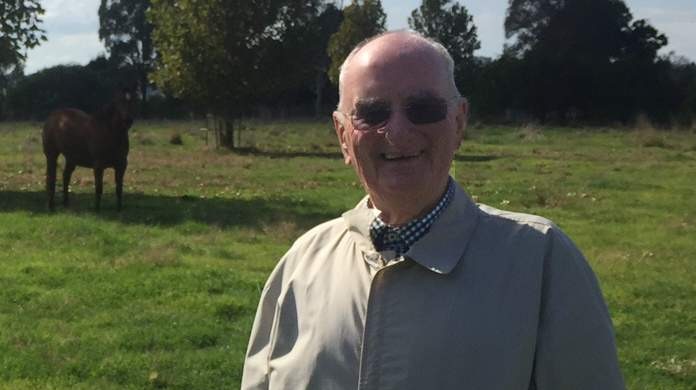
x=511 y=218
x=499 y=220
x=529 y=228
x=329 y=230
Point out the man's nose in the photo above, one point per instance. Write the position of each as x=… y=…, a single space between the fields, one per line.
x=399 y=130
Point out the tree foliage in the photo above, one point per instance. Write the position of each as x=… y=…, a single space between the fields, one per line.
x=526 y=21
x=450 y=24
x=293 y=62
x=19 y=30
x=329 y=21
x=227 y=58
x=297 y=65
x=361 y=20
x=579 y=58
x=127 y=36
x=88 y=88
x=218 y=55
x=84 y=87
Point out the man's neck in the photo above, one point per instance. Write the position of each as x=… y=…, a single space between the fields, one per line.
x=401 y=209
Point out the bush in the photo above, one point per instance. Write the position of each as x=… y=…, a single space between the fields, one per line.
x=176 y=139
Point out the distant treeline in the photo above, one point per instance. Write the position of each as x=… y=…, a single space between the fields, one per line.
x=584 y=62
x=503 y=90
x=87 y=87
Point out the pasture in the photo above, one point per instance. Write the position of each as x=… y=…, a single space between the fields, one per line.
x=162 y=294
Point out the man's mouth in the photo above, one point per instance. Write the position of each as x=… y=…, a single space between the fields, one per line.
x=401 y=156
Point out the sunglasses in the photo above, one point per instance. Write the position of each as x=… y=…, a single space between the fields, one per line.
x=374 y=114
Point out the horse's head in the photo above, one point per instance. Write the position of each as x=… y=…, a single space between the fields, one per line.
x=123 y=106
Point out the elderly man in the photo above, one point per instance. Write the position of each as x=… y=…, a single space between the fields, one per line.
x=418 y=287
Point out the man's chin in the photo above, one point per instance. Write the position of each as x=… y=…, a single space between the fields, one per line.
x=400 y=188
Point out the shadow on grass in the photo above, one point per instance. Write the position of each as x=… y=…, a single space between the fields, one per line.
x=162 y=210
x=287 y=154
x=337 y=156
x=475 y=157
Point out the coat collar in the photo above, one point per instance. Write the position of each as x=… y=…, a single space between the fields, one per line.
x=440 y=249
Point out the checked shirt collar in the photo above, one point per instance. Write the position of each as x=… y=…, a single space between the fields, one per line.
x=400 y=238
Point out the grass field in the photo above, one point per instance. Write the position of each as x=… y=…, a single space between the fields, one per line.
x=162 y=295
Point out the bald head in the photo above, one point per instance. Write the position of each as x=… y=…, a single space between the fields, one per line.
x=395 y=48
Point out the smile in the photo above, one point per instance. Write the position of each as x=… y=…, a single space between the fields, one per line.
x=400 y=156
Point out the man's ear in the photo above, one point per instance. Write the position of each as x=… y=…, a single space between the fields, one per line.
x=342 y=135
x=462 y=118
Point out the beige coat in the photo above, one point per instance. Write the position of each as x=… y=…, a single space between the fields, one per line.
x=486 y=300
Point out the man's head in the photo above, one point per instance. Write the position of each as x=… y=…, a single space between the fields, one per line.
x=399 y=121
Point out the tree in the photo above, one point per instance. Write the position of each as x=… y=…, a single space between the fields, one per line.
x=219 y=56
x=35 y=96
x=297 y=64
x=19 y=31
x=683 y=77
x=576 y=56
x=361 y=20
x=451 y=25
x=9 y=81
x=329 y=22
x=526 y=21
x=642 y=42
x=127 y=36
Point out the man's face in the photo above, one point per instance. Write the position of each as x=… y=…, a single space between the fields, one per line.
x=399 y=124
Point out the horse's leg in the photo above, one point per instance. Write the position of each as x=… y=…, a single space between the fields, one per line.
x=51 y=164
x=67 y=174
x=119 y=172
x=98 y=184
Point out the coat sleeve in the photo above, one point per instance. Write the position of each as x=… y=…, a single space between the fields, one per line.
x=576 y=348
x=256 y=363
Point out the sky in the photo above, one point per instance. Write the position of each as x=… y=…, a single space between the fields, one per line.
x=71 y=27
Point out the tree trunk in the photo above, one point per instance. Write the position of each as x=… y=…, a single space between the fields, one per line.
x=226 y=131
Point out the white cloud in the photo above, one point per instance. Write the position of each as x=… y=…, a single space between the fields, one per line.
x=69 y=9
x=65 y=49
x=72 y=31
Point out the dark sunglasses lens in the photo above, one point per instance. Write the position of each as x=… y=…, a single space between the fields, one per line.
x=368 y=117
x=425 y=112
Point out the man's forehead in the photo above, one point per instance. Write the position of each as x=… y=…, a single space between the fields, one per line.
x=394 y=50
x=398 y=84
x=394 y=67
x=415 y=72
x=422 y=94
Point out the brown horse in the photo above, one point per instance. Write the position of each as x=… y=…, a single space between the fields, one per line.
x=96 y=141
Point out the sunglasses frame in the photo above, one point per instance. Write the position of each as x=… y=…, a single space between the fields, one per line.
x=380 y=128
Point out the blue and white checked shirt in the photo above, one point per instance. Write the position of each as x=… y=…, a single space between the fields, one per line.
x=400 y=238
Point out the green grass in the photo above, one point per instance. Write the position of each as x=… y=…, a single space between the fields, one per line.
x=162 y=295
